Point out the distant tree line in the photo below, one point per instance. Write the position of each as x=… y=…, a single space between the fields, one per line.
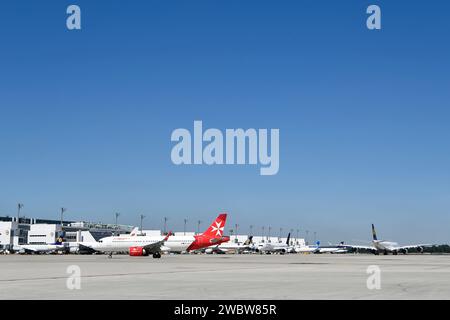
x=443 y=248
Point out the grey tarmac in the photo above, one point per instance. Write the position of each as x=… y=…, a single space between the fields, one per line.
x=190 y=277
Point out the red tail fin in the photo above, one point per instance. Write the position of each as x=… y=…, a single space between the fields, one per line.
x=217 y=228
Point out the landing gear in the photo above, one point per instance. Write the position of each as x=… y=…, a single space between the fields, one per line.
x=110 y=255
x=157 y=255
x=385 y=252
x=395 y=252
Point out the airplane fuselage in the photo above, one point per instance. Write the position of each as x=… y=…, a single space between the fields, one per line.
x=176 y=244
x=274 y=247
x=179 y=244
x=122 y=243
x=42 y=248
x=385 y=246
x=228 y=247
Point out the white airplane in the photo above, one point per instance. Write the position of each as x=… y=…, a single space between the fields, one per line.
x=340 y=248
x=386 y=247
x=308 y=249
x=268 y=247
x=231 y=247
x=41 y=248
x=136 y=245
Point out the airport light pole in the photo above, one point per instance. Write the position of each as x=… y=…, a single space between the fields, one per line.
x=19 y=207
x=268 y=237
x=142 y=218
x=281 y=230
x=198 y=226
x=117 y=226
x=185 y=221
x=165 y=224
x=292 y=233
x=236 y=239
x=315 y=239
x=307 y=237
x=263 y=234
x=298 y=231
x=62 y=216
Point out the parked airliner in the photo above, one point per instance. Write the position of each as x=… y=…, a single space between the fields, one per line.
x=141 y=245
x=386 y=247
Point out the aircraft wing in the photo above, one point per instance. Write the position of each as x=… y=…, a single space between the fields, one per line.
x=243 y=248
x=165 y=249
x=85 y=248
x=157 y=246
x=360 y=247
x=414 y=246
x=280 y=249
x=29 y=249
x=218 y=249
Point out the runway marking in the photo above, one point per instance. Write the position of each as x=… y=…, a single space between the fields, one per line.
x=132 y=274
x=309 y=263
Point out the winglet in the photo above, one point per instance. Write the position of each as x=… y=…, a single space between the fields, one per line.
x=168 y=235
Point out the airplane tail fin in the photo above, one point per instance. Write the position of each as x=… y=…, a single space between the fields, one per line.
x=216 y=229
x=374 y=233
x=86 y=236
x=288 y=238
x=249 y=241
x=134 y=232
x=318 y=244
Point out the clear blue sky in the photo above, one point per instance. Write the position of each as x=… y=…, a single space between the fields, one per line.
x=86 y=116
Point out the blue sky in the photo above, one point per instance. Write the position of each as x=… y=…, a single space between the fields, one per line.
x=86 y=116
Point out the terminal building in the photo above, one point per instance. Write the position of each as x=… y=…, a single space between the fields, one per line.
x=15 y=232
x=44 y=233
x=21 y=231
x=8 y=233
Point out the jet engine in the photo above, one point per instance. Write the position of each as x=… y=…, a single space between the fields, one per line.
x=138 y=252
